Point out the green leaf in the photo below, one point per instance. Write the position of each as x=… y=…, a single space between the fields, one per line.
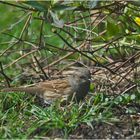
x=92 y=87
x=63 y=7
x=112 y=28
x=36 y=5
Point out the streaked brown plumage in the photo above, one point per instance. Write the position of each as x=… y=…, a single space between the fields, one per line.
x=76 y=85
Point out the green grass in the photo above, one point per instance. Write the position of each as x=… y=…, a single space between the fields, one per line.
x=21 y=117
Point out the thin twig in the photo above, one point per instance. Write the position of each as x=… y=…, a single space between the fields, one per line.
x=46 y=76
x=123 y=77
x=8 y=80
x=62 y=58
x=130 y=88
x=41 y=30
x=20 y=36
x=23 y=56
x=76 y=50
x=18 y=6
x=134 y=56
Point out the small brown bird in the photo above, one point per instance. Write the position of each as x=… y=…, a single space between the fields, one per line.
x=75 y=86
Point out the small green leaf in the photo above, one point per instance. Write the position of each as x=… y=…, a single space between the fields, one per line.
x=112 y=28
x=92 y=87
x=36 y=5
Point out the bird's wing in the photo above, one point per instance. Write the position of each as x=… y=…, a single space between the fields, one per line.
x=56 y=89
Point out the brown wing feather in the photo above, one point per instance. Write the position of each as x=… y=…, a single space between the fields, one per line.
x=57 y=86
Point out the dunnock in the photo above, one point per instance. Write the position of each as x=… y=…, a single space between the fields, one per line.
x=75 y=86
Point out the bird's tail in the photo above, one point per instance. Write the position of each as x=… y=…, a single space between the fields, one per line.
x=32 y=90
